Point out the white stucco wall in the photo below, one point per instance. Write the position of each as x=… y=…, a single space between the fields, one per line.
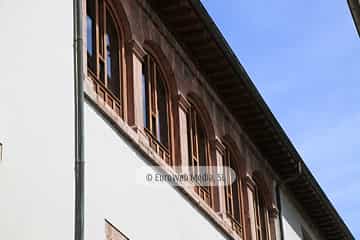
x=36 y=120
x=294 y=221
x=114 y=192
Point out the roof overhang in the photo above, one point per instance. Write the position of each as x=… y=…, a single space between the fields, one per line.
x=194 y=29
x=354 y=6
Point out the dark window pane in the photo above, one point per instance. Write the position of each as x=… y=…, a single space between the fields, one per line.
x=101 y=27
x=194 y=129
x=102 y=71
x=201 y=145
x=145 y=93
x=112 y=56
x=153 y=123
x=236 y=200
x=152 y=85
x=189 y=133
x=90 y=35
x=108 y=57
x=89 y=32
x=262 y=218
x=162 y=113
x=235 y=188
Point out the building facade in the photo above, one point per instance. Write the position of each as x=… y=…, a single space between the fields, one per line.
x=162 y=88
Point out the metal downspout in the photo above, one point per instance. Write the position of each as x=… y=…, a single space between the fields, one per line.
x=79 y=119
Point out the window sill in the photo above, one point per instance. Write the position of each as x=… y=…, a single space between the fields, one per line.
x=103 y=96
x=158 y=148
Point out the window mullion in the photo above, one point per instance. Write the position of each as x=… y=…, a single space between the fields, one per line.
x=105 y=62
x=100 y=53
x=156 y=107
x=96 y=37
x=191 y=142
x=100 y=27
x=258 y=215
x=150 y=84
x=265 y=227
x=239 y=199
x=228 y=156
x=153 y=119
x=196 y=134
x=148 y=100
x=196 y=144
x=207 y=159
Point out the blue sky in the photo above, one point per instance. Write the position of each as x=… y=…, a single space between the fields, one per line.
x=304 y=57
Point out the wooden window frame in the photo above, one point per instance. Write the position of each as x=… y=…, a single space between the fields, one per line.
x=152 y=126
x=261 y=216
x=194 y=122
x=100 y=84
x=230 y=197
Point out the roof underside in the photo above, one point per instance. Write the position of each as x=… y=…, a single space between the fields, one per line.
x=196 y=32
x=355 y=12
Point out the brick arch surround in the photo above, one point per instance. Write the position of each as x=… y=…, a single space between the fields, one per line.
x=265 y=189
x=153 y=49
x=122 y=19
x=240 y=170
x=126 y=33
x=201 y=109
x=241 y=163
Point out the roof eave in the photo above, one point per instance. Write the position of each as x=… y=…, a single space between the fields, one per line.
x=197 y=4
x=255 y=116
x=354 y=6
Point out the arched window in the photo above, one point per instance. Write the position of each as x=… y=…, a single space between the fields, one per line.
x=104 y=44
x=199 y=154
x=261 y=216
x=156 y=107
x=233 y=196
